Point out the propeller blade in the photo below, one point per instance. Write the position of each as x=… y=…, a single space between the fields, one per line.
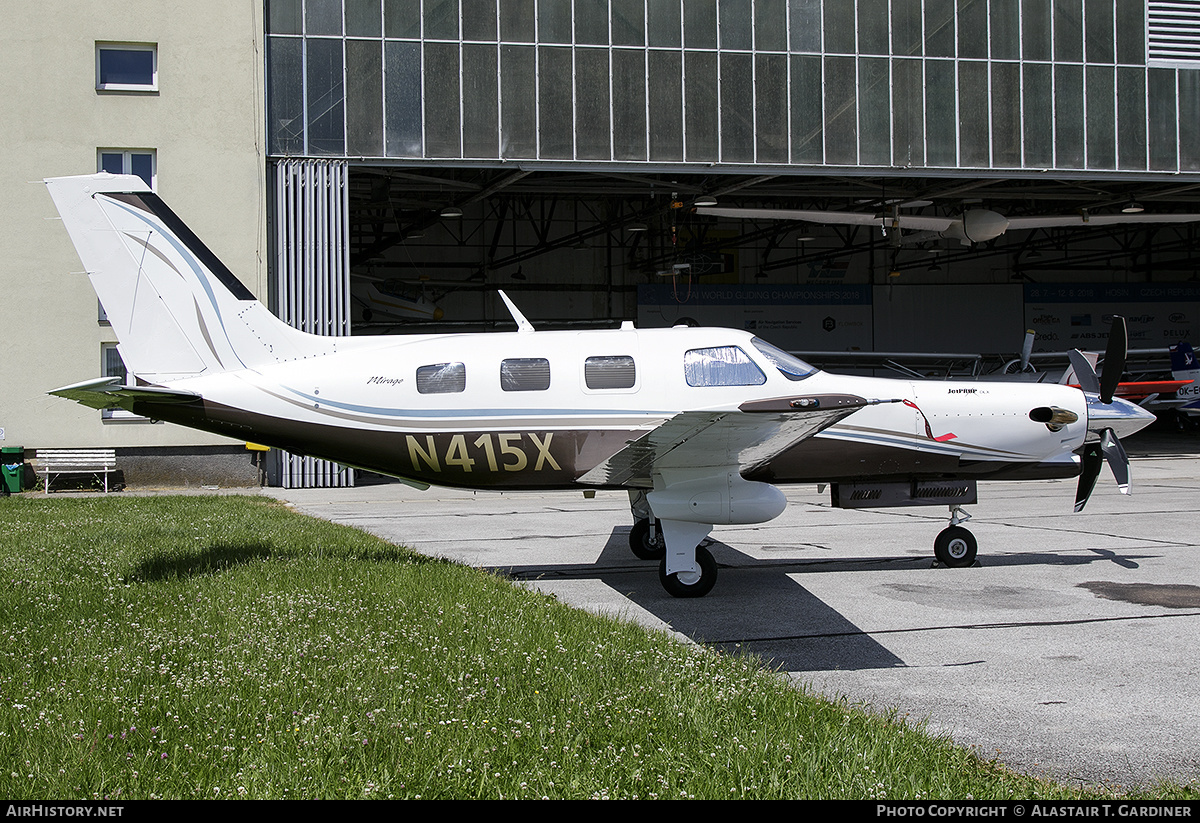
x=1084 y=373
x=1118 y=461
x=1095 y=455
x=1114 y=358
x=1027 y=349
x=1093 y=461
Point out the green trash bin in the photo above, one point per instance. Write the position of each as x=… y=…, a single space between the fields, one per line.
x=12 y=468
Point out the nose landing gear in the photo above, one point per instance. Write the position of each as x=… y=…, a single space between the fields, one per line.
x=955 y=546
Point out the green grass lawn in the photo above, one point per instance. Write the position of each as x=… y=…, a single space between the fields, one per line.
x=226 y=647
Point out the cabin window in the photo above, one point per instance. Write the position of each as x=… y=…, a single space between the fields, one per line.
x=442 y=378
x=525 y=374
x=790 y=366
x=615 y=372
x=721 y=366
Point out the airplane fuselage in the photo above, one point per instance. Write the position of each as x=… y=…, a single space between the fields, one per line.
x=542 y=409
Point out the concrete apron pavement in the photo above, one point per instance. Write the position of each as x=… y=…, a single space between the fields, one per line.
x=1069 y=650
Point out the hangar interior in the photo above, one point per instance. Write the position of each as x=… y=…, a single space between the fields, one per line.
x=574 y=247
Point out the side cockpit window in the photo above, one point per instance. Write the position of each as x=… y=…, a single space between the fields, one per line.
x=616 y=372
x=721 y=366
x=442 y=378
x=790 y=366
x=525 y=374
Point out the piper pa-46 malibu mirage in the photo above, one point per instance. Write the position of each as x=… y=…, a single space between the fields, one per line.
x=699 y=425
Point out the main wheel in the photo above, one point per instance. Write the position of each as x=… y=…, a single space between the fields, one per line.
x=643 y=545
x=690 y=584
x=955 y=547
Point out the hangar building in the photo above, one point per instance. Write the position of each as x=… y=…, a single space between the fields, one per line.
x=383 y=166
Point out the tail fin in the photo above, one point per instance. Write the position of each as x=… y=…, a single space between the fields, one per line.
x=1183 y=362
x=176 y=309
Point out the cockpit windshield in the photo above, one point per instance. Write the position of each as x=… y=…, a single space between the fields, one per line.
x=793 y=368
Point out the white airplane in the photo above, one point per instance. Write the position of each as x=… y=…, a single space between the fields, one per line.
x=974 y=226
x=699 y=425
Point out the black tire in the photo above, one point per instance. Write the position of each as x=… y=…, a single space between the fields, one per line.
x=641 y=544
x=955 y=547
x=699 y=586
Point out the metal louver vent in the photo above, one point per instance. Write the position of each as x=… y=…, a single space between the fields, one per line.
x=1174 y=31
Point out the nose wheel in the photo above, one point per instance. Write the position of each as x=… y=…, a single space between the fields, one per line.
x=955 y=546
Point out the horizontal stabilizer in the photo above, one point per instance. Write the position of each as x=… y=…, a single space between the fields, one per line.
x=111 y=393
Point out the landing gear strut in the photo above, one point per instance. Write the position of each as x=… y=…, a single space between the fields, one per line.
x=955 y=546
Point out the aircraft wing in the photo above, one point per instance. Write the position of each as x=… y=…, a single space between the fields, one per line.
x=1047 y=221
x=939 y=224
x=849 y=218
x=111 y=393
x=744 y=438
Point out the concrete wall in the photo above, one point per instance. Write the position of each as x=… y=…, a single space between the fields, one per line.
x=204 y=122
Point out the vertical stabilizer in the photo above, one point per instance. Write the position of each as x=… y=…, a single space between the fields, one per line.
x=1185 y=367
x=1183 y=362
x=176 y=309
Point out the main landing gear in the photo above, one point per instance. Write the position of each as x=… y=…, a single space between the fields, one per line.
x=690 y=584
x=647 y=542
x=955 y=546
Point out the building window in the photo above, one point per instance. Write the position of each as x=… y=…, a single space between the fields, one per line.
x=129 y=161
x=114 y=366
x=525 y=374
x=126 y=67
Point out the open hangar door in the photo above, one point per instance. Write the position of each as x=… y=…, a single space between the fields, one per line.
x=930 y=265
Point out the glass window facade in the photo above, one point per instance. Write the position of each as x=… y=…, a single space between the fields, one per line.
x=940 y=84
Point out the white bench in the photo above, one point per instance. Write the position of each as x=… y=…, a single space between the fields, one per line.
x=54 y=462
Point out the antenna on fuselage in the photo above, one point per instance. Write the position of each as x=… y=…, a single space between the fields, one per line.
x=523 y=325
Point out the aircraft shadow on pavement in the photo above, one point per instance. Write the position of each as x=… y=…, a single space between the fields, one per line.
x=757 y=608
